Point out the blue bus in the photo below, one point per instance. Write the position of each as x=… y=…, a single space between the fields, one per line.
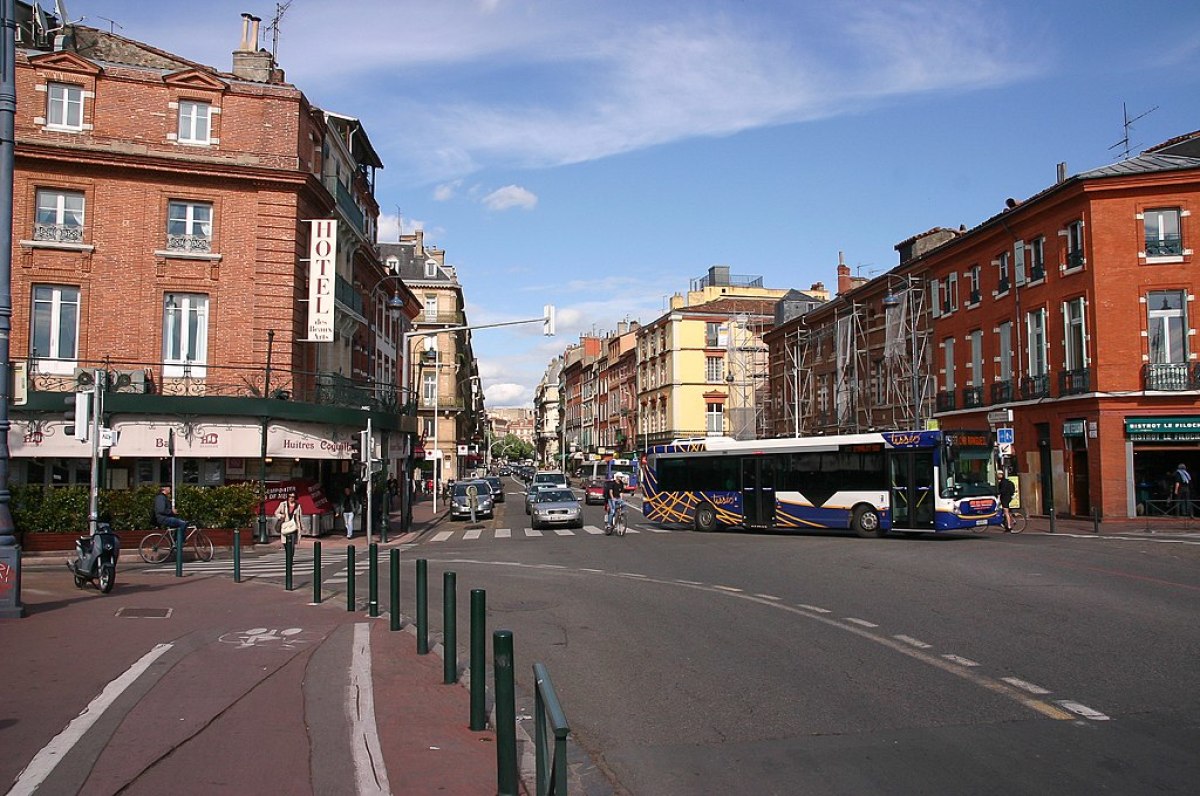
x=909 y=481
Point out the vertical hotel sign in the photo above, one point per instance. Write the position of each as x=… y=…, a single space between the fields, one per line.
x=322 y=265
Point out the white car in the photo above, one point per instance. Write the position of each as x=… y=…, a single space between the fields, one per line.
x=555 y=506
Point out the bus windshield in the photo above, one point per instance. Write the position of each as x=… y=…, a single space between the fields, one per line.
x=969 y=472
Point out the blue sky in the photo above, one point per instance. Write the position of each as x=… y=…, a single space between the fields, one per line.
x=599 y=155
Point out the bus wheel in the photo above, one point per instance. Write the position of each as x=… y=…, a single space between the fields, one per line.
x=866 y=522
x=706 y=518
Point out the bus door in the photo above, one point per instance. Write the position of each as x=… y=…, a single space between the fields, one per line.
x=758 y=491
x=912 y=488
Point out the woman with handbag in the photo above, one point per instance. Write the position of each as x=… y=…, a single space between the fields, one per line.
x=288 y=516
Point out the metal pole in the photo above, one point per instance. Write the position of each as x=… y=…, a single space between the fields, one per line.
x=350 y=585
x=478 y=659
x=369 y=459
x=289 y=557
x=94 y=422
x=422 y=607
x=179 y=552
x=394 y=587
x=10 y=552
x=316 y=571
x=437 y=443
x=262 y=459
x=449 y=628
x=237 y=556
x=373 y=579
x=506 y=713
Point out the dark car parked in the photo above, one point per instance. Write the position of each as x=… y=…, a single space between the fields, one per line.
x=497 y=488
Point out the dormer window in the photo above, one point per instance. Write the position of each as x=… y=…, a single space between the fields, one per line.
x=195 y=122
x=393 y=264
x=64 y=107
x=431 y=268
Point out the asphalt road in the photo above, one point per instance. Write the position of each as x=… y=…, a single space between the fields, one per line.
x=781 y=664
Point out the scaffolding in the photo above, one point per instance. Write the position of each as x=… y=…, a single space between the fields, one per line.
x=905 y=356
x=746 y=375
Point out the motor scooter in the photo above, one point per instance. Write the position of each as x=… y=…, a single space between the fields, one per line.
x=96 y=559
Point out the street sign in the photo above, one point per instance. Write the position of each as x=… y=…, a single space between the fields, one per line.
x=1004 y=436
x=1000 y=416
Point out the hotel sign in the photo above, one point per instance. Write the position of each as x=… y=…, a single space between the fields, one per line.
x=322 y=265
x=1163 y=429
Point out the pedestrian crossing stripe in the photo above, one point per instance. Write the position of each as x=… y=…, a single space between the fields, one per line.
x=507 y=533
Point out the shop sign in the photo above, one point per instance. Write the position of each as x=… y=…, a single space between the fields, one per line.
x=322 y=261
x=1073 y=428
x=1163 y=429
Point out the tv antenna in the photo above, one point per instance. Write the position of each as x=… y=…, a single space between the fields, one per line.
x=280 y=10
x=1127 y=126
x=112 y=23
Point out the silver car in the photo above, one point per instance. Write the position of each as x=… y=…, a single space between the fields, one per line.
x=556 y=506
x=531 y=495
x=460 y=500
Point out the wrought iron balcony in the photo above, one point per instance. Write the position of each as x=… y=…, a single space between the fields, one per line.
x=58 y=233
x=192 y=244
x=1074 y=382
x=1171 y=376
x=345 y=293
x=1003 y=286
x=1037 y=272
x=972 y=397
x=1002 y=392
x=1035 y=386
x=1169 y=246
x=1075 y=259
x=945 y=401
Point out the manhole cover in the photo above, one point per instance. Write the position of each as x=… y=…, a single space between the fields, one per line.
x=145 y=613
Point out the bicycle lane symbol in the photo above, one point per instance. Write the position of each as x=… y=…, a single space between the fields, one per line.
x=291 y=638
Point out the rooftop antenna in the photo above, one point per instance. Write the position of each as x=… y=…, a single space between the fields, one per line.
x=112 y=23
x=280 y=10
x=1124 y=142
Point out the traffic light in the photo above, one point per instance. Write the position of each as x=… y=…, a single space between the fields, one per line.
x=548 y=320
x=79 y=415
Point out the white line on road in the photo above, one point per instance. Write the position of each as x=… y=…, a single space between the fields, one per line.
x=913 y=641
x=960 y=660
x=473 y=534
x=442 y=536
x=1025 y=686
x=860 y=622
x=504 y=533
x=370 y=773
x=630 y=575
x=564 y=532
x=532 y=532
x=1082 y=710
x=52 y=753
x=771 y=597
x=728 y=588
x=814 y=608
x=593 y=571
x=689 y=582
x=593 y=529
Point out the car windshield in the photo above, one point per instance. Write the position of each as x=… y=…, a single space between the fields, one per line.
x=495 y=482
x=460 y=490
x=555 y=496
x=548 y=478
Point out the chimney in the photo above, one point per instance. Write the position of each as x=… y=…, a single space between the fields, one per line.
x=1062 y=172
x=845 y=283
x=249 y=62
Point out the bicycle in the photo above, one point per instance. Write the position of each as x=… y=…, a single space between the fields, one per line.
x=619 y=523
x=1019 y=520
x=159 y=546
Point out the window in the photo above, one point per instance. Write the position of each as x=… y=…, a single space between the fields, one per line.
x=185 y=334
x=64 y=106
x=1163 y=238
x=1167 y=327
x=952 y=293
x=976 y=291
x=1004 y=369
x=429 y=388
x=976 y=338
x=714 y=369
x=55 y=323
x=1074 y=234
x=1004 y=264
x=1037 y=259
x=59 y=216
x=431 y=267
x=427 y=426
x=1075 y=334
x=1036 y=327
x=189 y=226
x=714 y=418
x=712 y=335
x=431 y=308
x=195 y=122
x=935 y=298
x=948 y=348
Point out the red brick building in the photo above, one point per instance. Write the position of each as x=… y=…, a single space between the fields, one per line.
x=161 y=220
x=1073 y=309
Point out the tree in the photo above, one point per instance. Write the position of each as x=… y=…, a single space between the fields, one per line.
x=511 y=448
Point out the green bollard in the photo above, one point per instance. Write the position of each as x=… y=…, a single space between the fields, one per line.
x=506 y=713
x=394 y=584
x=478 y=658
x=373 y=580
x=316 y=572
x=449 y=628
x=237 y=556
x=350 y=586
x=179 y=552
x=422 y=607
x=289 y=557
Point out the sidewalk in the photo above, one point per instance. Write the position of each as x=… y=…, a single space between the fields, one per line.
x=200 y=685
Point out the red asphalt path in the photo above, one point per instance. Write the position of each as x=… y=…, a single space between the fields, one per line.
x=224 y=710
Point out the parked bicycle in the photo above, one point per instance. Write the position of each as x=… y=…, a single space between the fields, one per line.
x=158 y=547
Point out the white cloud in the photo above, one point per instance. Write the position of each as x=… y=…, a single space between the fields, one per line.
x=507 y=394
x=446 y=191
x=510 y=196
x=391 y=226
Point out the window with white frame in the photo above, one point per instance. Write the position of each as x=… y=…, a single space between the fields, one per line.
x=431 y=268
x=55 y=322
x=1035 y=322
x=429 y=388
x=195 y=122
x=1036 y=252
x=1074 y=235
x=879 y=383
x=1004 y=267
x=1075 y=334
x=431 y=307
x=714 y=369
x=951 y=292
x=189 y=226
x=712 y=335
x=1167 y=326
x=59 y=216
x=64 y=106
x=1163 y=236
x=1004 y=339
x=976 y=290
x=714 y=418
x=948 y=351
x=185 y=334
x=976 y=340
x=427 y=428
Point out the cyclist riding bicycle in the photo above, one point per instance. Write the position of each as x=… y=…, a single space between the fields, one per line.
x=614 y=487
x=1007 y=489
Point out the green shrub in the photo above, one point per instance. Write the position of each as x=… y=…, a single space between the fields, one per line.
x=65 y=509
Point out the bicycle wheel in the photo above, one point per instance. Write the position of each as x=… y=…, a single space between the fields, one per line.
x=1019 y=520
x=155 y=548
x=203 y=546
x=619 y=522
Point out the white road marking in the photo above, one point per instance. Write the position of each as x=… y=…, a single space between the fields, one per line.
x=1025 y=686
x=593 y=571
x=771 y=597
x=659 y=530
x=860 y=622
x=504 y=533
x=728 y=588
x=473 y=534
x=913 y=641
x=631 y=575
x=52 y=753
x=814 y=608
x=593 y=529
x=688 y=582
x=370 y=773
x=1082 y=710
x=442 y=536
x=564 y=532
x=532 y=532
x=960 y=661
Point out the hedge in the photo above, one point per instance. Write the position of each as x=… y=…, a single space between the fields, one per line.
x=37 y=509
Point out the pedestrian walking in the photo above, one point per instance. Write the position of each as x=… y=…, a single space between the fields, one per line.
x=1183 y=490
x=288 y=516
x=349 y=508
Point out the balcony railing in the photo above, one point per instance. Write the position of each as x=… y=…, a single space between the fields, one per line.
x=1002 y=392
x=1035 y=387
x=444 y=318
x=972 y=397
x=945 y=401
x=191 y=244
x=1171 y=376
x=345 y=293
x=1003 y=286
x=1169 y=246
x=58 y=233
x=1074 y=382
x=345 y=203
x=442 y=402
x=1075 y=259
x=1037 y=272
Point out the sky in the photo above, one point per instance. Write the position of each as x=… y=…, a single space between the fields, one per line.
x=600 y=155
